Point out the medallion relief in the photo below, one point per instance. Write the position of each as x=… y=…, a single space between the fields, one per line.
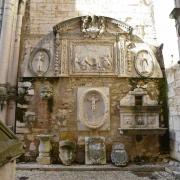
x=144 y=63
x=93 y=108
x=39 y=62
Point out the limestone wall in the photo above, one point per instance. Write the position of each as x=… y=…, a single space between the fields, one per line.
x=173 y=78
x=44 y=14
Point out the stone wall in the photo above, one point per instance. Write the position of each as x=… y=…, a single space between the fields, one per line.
x=173 y=78
x=65 y=103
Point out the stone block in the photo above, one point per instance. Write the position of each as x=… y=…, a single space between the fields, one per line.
x=95 y=150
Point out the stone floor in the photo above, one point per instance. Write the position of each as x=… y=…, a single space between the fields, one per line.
x=78 y=172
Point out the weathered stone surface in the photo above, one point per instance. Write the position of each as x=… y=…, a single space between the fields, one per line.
x=95 y=150
x=119 y=155
x=67 y=151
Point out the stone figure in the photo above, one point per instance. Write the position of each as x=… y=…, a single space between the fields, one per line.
x=95 y=150
x=119 y=155
x=144 y=65
x=93 y=99
x=39 y=62
x=67 y=150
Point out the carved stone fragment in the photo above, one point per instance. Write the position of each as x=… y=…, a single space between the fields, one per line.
x=119 y=155
x=67 y=151
x=95 y=150
x=93 y=26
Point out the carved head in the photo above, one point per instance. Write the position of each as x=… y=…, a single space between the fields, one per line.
x=67 y=151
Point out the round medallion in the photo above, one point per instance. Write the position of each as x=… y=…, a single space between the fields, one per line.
x=39 y=62
x=144 y=63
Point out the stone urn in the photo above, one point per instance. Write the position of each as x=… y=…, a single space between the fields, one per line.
x=44 y=149
x=67 y=151
x=119 y=155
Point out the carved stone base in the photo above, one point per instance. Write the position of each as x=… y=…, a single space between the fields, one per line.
x=44 y=160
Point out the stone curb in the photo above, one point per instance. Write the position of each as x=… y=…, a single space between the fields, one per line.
x=108 y=167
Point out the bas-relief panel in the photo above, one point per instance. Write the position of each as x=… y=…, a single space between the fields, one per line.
x=93 y=58
x=93 y=108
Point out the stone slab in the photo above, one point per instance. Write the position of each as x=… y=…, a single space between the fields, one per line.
x=75 y=167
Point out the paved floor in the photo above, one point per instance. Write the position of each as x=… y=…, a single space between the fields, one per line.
x=87 y=175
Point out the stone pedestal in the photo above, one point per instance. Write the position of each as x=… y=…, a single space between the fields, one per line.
x=44 y=149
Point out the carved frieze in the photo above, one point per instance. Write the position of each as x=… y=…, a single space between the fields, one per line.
x=39 y=62
x=93 y=58
x=93 y=108
x=93 y=26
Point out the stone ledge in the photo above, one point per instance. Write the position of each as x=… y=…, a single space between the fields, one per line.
x=108 y=167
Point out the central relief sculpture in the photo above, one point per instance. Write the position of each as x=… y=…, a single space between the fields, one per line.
x=93 y=108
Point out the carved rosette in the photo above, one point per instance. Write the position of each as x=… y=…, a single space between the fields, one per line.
x=93 y=26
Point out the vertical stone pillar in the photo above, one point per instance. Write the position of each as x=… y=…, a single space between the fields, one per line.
x=10 y=10
x=13 y=63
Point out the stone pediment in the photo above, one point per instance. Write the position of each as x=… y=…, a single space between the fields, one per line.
x=92 y=46
x=93 y=24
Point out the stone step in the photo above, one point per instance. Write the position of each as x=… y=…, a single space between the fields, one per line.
x=77 y=167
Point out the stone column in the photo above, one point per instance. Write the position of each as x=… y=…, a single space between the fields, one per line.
x=5 y=45
x=13 y=64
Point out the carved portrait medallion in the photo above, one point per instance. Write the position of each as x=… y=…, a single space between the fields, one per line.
x=144 y=63
x=39 y=62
